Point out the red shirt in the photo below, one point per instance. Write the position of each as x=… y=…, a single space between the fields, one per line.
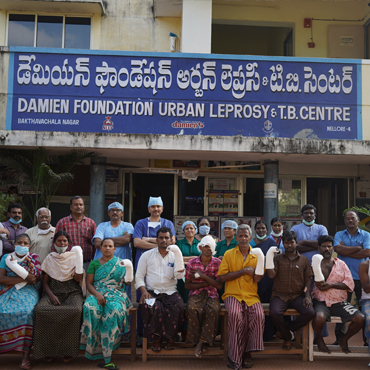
x=211 y=270
x=81 y=233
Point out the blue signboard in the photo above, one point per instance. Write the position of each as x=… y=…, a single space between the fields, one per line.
x=160 y=93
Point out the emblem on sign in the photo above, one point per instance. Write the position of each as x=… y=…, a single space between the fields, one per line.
x=267 y=126
x=108 y=124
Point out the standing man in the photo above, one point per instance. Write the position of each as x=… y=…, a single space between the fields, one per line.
x=292 y=289
x=42 y=234
x=161 y=306
x=246 y=318
x=330 y=296
x=308 y=232
x=145 y=232
x=14 y=227
x=352 y=246
x=80 y=229
x=117 y=230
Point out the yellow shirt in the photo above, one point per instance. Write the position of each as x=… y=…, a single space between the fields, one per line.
x=243 y=288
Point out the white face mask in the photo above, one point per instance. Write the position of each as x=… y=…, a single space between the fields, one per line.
x=277 y=235
x=61 y=250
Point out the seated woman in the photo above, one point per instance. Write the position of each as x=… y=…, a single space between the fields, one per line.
x=203 y=306
x=106 y=309
x=61 y=302
x=19 y=274
x=204 y=229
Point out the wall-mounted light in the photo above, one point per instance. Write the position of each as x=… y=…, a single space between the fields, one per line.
x=173 y=39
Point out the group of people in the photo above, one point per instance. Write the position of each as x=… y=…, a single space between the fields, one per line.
x=287 y=269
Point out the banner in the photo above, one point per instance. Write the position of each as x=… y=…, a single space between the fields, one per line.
x=184 y=95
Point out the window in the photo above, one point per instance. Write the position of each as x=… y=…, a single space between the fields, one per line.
x=49 y=31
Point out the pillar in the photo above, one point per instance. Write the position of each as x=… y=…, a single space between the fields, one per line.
x=97 y=189
x=271 y=186
x=196 y=29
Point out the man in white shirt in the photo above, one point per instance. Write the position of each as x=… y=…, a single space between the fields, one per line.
x=161 y=306
x=42 y=234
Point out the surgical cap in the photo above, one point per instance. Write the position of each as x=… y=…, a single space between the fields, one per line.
x=155 y=201
x=189 y=223
x=207 y=240
x=115 y=205
x=230 y=223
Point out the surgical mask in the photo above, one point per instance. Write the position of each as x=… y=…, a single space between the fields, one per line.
x=277 y=235
x=204 y=230
x=61 y=250
x=14 y=221
x=21 y=251
x=308 y=223
x=261 y=237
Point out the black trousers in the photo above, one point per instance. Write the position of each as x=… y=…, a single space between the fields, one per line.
x=340 y=329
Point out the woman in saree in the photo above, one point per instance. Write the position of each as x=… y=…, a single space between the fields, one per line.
x=61 y=303
x=20 y=272
x=106 y=309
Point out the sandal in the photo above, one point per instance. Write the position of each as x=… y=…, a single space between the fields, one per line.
x=156 y=347
x=247 y=361
x=110 y=366
x=170 y=345
x=231 y=364
x=67 y=358
x=49 y=359
x=287 y=345
x=25 y=365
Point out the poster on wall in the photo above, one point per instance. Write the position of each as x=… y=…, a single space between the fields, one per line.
x=223 y=202
x=163 y=93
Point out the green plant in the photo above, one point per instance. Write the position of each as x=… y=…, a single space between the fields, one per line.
x=41 y=172
x=5 y=200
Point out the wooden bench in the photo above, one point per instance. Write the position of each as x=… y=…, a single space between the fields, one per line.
x=183 y=349
x=336 y=351
x=125 y=348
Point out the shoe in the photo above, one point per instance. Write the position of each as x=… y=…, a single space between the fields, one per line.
x=110 y=366
x=335 y=343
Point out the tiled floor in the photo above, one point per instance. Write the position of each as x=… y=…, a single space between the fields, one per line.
x=262 y=362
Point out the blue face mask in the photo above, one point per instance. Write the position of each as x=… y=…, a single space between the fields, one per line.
x=261 y=237
x=14 y=221
x=308 y=223
x=21 y=251
x=204 y=230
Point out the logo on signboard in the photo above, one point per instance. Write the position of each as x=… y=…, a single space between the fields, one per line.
x=267 y=126
x=108 y=124
x=187 y=124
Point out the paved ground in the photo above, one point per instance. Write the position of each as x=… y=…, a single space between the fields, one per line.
x=266 y=362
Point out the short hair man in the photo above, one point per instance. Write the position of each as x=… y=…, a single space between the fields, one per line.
x=330 y=296
x=292 y=288
x=80 y=229
x=352 y=246
x=308 y=232
x=246 y=318
x=117 y=230
x=14 y=227
x=42 y=234
x=156 y=277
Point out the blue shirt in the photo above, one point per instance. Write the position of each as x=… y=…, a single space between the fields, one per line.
x=362 y=239
x=142 y=229
x=105 y=230
x=309 y=233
